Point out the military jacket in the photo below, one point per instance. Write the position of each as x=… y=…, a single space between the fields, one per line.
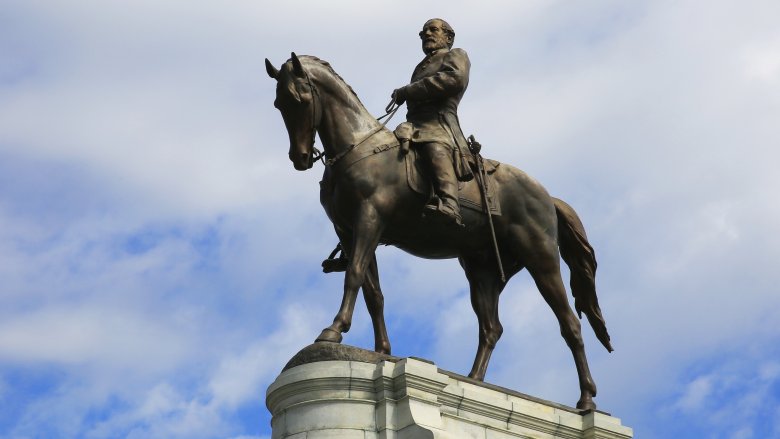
x=432 y=97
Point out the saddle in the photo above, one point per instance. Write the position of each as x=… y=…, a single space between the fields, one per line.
x=469 y=192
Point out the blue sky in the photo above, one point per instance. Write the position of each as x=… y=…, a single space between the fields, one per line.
x=159 y=255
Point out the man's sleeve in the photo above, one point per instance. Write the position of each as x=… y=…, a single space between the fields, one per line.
x=451 y=79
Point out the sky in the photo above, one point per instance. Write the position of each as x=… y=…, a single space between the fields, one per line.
x=160 y=257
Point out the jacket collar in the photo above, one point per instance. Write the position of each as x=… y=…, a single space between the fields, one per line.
x=437 y=52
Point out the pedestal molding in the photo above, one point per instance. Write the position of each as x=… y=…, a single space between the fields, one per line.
x=409 y=398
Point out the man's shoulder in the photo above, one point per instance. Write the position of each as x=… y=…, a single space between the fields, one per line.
x=446 y=53
x=458 y=55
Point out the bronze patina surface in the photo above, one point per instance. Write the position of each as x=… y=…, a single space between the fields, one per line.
x=365 y=194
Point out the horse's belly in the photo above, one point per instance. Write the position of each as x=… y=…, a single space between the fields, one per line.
x=427 y=251
x=428 y=241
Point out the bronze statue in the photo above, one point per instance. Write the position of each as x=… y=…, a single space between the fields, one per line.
x=367 y=193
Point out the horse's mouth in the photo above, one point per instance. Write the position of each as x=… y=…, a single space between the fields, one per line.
x=301 y=162
x=302 y=167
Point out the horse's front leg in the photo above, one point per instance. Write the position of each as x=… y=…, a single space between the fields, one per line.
x=365 y=238
x=375 y=302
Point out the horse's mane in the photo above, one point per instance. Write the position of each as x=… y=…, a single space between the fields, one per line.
x=327 y=65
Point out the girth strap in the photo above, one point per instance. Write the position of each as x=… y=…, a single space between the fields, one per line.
x=357 y=154
x=391 y=109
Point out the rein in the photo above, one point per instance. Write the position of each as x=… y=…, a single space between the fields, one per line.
x=391 y=109
x=314 y=119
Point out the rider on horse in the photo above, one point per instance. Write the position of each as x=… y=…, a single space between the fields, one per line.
x=432 y=97
x=369 y=203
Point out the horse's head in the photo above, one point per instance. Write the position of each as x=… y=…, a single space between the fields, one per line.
x=297 y=100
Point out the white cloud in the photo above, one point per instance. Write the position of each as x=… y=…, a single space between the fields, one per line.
x=105 y=337
x=733 y=396
x=154 y=404
x=695 y=393
x=656 y=121
x=238 y=377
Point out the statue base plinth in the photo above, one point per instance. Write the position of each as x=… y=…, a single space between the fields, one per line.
x=337 y=391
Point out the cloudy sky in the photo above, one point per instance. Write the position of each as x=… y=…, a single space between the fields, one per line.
x=159 y=255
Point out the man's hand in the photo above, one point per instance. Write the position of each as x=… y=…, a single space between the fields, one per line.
x=398 y=96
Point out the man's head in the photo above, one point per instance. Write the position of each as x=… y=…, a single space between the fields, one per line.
x=436 y=34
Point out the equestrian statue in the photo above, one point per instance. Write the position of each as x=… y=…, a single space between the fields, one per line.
x=427 y=190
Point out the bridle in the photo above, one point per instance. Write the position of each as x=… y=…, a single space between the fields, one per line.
x=315 y=119
x=390 y=110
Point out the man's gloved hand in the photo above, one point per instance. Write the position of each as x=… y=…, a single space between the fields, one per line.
x=474 y=146
x=403 y=133
x=398 y=96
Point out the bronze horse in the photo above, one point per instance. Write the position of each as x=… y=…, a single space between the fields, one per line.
x=365 y=194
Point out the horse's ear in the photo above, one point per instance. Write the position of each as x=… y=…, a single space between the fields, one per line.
x=273 y=72
x=297 y=66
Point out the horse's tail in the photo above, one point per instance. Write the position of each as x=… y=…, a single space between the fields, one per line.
x=581 y=259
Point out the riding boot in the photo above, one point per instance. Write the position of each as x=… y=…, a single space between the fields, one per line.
x=444 y=205
x=333 y=263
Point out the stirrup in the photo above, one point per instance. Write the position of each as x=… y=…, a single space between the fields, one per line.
x=442 y=212
x=333 y=263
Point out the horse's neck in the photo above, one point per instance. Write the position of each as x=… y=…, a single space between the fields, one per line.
x=345 y=121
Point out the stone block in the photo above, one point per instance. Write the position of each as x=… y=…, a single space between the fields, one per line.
x=345 y=392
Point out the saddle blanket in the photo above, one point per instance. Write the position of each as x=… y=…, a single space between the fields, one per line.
x=469 y=193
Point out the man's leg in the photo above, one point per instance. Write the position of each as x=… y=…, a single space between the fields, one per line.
x=445 y=185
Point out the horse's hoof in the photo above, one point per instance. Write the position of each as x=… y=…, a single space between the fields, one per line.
x=586 y=404
x=382 y=348
x=330 y=335
x=477 y=376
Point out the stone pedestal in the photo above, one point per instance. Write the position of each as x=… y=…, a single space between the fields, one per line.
x=325 y=393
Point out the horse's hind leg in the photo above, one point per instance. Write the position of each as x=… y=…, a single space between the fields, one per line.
x=375 y=302
x=547 y=275
x=485 y=286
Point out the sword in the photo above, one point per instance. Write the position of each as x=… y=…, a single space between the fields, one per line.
x=475 y=147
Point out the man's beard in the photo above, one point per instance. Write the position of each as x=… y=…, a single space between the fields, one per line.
x=431 y=46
